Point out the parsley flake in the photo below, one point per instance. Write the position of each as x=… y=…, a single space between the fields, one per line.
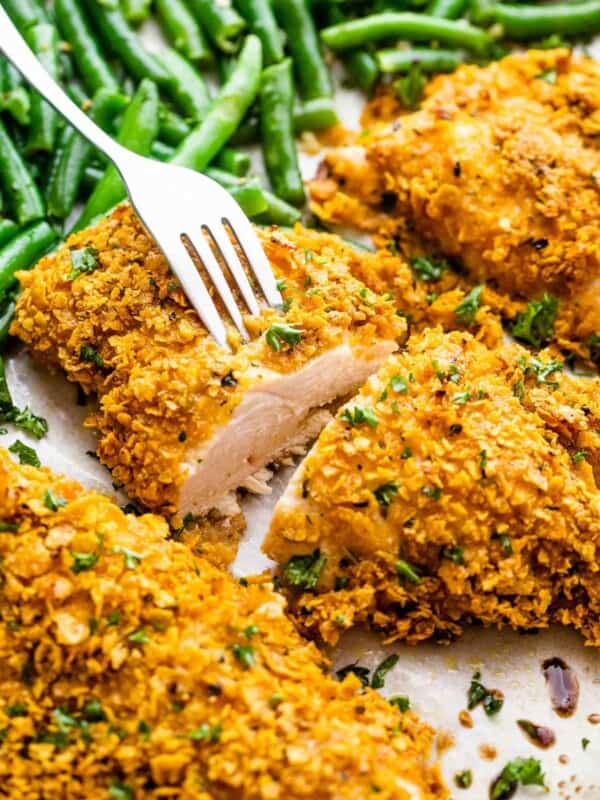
x=385 y=493
x=466 y=311
x=399 y=384
x=206 y=733
x=463 y=779
x=88 y=354
x=131 y=559
x=52 y=501
x=359 y=415
x=139 y=637
x=25 y=454
x=407 y=572
x=244 y=654
x=120 y=791
x=362 y=673
x=535 y=325
x=527 y=771
x=410 y=87
x=400 y=701
x=428 y=269
x=305 y=571
x=84 y=561
x=279 y=333
x=378 y=679
x=82 y=261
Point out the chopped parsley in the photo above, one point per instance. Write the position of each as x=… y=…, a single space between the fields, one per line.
x=250 y=631
x=593 y=343
x=461 y=398
x=406 y=453
x=466 y=311
x=8 y=527
x=491 y=699
x=505 y=544
x=463 y=779
x=580 y=455
x=305 y=571
x=120 y=791
x=385 y=493
x=362 y=673
x=93 y=711
x=88 y=354
x=542 y=370
x=527 y=771
x=454 y=554
x=131 y=559
x=139 y=637
x=25 y=454
x=82 y=261
x=407 y=571
x=114 y=618
x=17 y=710
x=428 y=269
x=244 y=653
x=84 y=561
x=399 y=384
x=279 y=333
x=360 y=415
x=433 y=492
x=548 y=75
x=401 y=701
x=535 y=325
x=144 y=730
x=52 y=501
x=25 y=420
x=584 y=744
x=378 y=679
x=410 y=87
x=206 y=733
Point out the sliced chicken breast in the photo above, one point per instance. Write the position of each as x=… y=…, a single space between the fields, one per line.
x=181 y=422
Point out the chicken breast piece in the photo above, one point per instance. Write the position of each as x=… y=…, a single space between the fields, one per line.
x=500 y=172
x=129 y=668
x=181 y=421
x=459 y=485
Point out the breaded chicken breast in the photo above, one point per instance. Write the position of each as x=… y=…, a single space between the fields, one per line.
x=181 y=422
x=500 y=172
x=130 y=669
x=460 y=485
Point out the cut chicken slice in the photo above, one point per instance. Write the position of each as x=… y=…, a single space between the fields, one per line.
x=458 y=485
x=500 y=172
x=181 y=421
x=130 y=668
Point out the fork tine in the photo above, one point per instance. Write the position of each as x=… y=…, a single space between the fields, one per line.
x=232 y=260
x=194 y=288
x=250 y=244
x=213 y=268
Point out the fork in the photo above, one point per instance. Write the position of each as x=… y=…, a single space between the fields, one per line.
x=165 y=197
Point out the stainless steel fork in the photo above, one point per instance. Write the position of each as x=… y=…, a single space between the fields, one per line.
x=178 y=207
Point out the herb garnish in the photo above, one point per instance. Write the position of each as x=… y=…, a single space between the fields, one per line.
x=120 y=791
x=385 y=493
x=527 y=771
x=463 y=779
x=360 y=415
x=399 y=384
x=244 y=654
x=139 y=637
x=279 y=333
x=132 y=560
x=407 y=571
x=82 y=261
x=24 y=418
x=362 y=673
x=410 y=87
x=88 y=354
x=25 y=454
x=428 y=269
x=454 y=554
x=378 y=679
x=206 y=733
x=401 y=701
x=52 y=501
x=305 y=571
x=491 y=699
x=84 y=561
x=466 y=311
x=536 y=324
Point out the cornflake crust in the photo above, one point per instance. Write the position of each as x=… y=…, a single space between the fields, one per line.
x=458 y=486
x=499 y=171
x=181 y=421
x=131 y=668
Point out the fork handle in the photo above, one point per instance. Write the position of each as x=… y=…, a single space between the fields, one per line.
x=17 y=51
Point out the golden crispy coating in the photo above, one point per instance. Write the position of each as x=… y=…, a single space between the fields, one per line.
x=130 y=669
x=458 y=485
x=126 y=331
x=500 y=170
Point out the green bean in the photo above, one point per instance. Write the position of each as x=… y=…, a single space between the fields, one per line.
x=234 y=161
x=124 y=42
x=23 y=251
x=221 y=22
x=261 y=20
x=161 y=151
x=449 y=9
x=278 y=212
x=407 y=25
x=533 y=22
x=251 y=198
x=14 y=98
x=91 y=176
x=182 y=30
x=76 y=153
x=247 y=132
x=25 y=13
x=190 y=90
x=8 y=230
x=429 y=59
x=314 y=115
x=74 y=27
x=17 y=182
x=303 y=43
x=43 y=119
x=138 y=131
x=7 y=312
x=362 y=69
x=226 y=112
x=173 y=129
x=136 y=11
x=277 y=129
x=226 y=179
